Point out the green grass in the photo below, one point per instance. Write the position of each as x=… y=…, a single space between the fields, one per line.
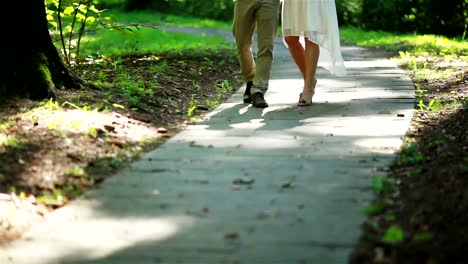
x=419 y=44
x=142 y=35
x=428 y=57
x=146 y=40
x=154 y=18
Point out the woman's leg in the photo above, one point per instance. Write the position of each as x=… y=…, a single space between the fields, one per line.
x=312 y=53
x=297 y=52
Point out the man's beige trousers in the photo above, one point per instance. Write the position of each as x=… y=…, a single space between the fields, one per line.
x=263 y=16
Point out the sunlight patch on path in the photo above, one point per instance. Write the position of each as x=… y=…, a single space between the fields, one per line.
x=91 y=235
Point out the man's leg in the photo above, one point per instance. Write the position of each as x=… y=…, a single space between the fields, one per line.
x=243 y=29
x=267 y=26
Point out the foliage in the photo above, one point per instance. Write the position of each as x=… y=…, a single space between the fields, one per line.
x=448 y=18
x=158 y=18
x=145 y=40
x=394 y=234
x=83 y=31
x=349 y=12
x=69 y=20
x=214 y=9
x=423 y=16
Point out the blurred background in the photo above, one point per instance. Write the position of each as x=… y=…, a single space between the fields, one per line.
x=448 y=17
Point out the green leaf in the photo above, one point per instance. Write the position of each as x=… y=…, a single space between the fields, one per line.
x=118 y=106
x=68 y=10
x=422 y=236
x=373 y=208
x=394 y=234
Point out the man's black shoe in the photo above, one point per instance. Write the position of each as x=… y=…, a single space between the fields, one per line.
x=247 y=95
x=258 y=100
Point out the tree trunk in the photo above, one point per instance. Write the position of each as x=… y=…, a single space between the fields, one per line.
x=30 y=63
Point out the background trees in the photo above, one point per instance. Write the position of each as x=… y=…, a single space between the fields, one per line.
x=448 y=17
x=215 y=9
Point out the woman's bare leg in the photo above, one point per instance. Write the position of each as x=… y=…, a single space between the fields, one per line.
x=312 y=53
x=297 y=52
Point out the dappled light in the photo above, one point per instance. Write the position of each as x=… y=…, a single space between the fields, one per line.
x=104 y=235
x=89 y=122
x=386 y=145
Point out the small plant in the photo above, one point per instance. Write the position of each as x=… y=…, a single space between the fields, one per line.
x=383 y=185
x=422 y=106
x=423 y=236
x=420 y=90
x=196 y=86
x=75 y=171
x=55 y=197
x=394 y=234
x=93 y=132
x=50 y=105
x=390 y=217
x=373 y=208
x=161 y=67
x=192 y=107
x=10 y=142
x=102 y=76
x=222 y=89
x=4 y=127
x=133 y=90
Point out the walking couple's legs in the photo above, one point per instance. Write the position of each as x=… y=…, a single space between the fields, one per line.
x=263 y=16
x=306 y=59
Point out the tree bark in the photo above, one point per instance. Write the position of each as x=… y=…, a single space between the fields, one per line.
x=30 y=63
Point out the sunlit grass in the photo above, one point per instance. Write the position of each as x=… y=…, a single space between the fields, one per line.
x=154 y=18
x=146 y=40
x=421 y=44
x=143 y=32
x=428 y=57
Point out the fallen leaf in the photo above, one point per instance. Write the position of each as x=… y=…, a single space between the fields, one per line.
x=287 y=185
x=195 y=145
x=110 y=128
x=116 y=142
x=243 y=180
x=231 y=236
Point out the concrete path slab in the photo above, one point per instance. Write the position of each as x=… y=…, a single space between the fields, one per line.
x=283 y=184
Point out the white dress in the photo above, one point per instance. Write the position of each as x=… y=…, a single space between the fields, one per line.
x=316 y=20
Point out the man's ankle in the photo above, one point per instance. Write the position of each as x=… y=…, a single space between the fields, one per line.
x=247 y=95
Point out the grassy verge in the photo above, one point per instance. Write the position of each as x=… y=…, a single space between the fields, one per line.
x=146 y=40
x=417 y=215
x=154 y=18
x=120 y=33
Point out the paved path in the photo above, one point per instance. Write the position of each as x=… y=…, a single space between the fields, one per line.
x=278 y=185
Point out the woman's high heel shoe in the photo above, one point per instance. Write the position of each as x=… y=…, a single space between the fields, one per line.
x=307 y=101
